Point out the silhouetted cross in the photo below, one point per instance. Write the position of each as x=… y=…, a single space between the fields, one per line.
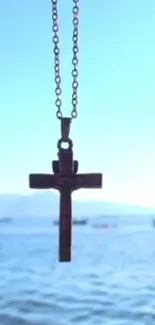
x=65 y=180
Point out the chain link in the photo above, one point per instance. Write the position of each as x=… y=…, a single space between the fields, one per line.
x=56 y=51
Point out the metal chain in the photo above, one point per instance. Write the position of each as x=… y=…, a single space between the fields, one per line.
x=75 y=84
x=75 y=58
x=56 y=51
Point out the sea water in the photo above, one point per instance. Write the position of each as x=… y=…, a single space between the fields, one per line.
x=111 y=279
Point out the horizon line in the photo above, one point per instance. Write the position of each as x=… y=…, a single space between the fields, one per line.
x=31 y=193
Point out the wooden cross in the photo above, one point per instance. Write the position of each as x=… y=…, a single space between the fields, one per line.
x=66 y=180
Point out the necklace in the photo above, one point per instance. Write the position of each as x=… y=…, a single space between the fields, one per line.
x=65 y=178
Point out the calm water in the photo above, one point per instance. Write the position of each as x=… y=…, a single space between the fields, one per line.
x=111 y=279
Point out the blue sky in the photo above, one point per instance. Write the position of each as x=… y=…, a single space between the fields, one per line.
x=114 y=132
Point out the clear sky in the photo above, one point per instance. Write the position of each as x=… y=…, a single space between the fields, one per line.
x=115 y=129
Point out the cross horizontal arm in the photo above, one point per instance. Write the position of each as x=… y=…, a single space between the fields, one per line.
x=90 y=180
x=42 y=181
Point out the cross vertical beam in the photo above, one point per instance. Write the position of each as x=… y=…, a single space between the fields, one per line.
x=65 y=227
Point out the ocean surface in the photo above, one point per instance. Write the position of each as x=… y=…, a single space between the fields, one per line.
x=111 y=279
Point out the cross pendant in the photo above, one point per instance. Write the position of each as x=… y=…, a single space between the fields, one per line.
x=66 y=180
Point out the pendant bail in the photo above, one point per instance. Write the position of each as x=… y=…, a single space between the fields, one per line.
x=65 y=128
